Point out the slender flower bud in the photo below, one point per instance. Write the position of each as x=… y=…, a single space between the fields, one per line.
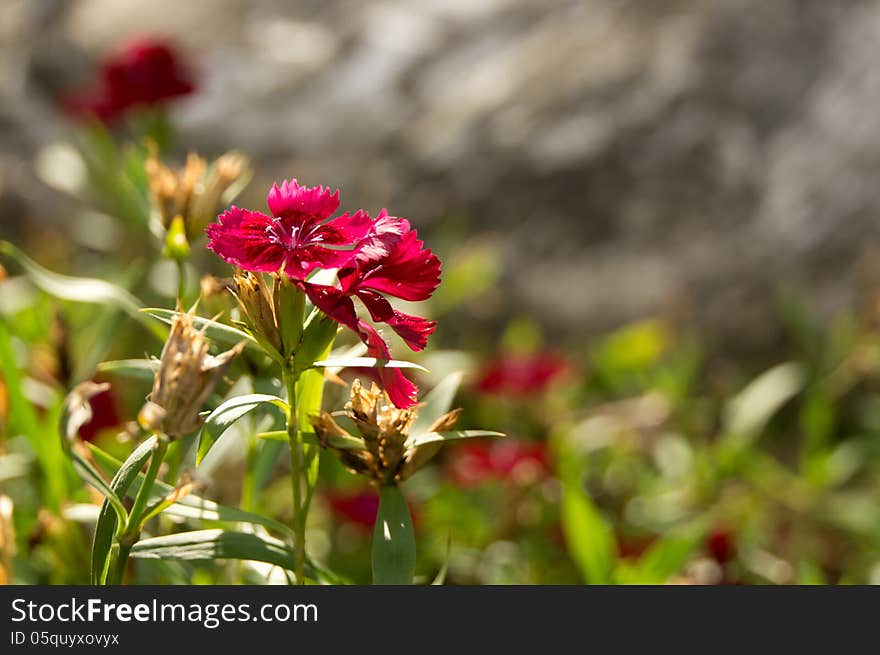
x=186 y=377
x=176 y=244
x=290 y=304
x=383 y=451
x=255 y=299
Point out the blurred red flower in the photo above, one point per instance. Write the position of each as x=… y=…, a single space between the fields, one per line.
x=509 y=460
x=359 y=508
x=515 y=374
x=721 y=546
x=104 y=415
x=143 y=73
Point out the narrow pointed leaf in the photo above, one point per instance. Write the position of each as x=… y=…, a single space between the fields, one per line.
x=219 y=332
x=144 y=369
x=436 y=403
x=192 y=506
x=76 y=289
x=107 y=520
x=394 y=544
x=452 y=435
x=228 y=413
x=366 y=362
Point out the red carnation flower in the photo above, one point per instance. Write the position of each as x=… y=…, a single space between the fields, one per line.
x=372 y=257
x=521 y=462
x=513 y=374
x=145 y=72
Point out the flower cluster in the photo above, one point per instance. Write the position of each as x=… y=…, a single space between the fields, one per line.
x=373 y=258
x=143 y=73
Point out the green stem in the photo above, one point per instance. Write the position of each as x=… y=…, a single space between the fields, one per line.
x=132 y=532
x=297 y=473
x=181 y=280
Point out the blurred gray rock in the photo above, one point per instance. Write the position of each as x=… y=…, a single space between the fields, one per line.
x=630 y=156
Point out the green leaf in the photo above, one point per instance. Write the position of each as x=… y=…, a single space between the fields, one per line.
x=343 y=443
x=748 y=413
x=193 y=506
x=209 y=545
x=107 y=520
x=589 y=536
x=394 y=544
x=452 y=435
x=219 y=332
x=366 y=362
x=77 y=289
x=664 y=558
x=436 y=403
x=228 y=413
x=144 y=369
x=216 y=544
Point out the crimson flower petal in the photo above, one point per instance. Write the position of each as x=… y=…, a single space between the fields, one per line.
x=240 y=238
x=414 y=330
x=400 y=390
x=301 y=205
x=408 y=270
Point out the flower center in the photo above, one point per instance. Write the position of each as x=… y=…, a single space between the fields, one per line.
x=291 y=237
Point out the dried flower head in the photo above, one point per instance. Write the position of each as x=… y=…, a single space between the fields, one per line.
x=384 y=450
x=195 y=192
x=186 y=377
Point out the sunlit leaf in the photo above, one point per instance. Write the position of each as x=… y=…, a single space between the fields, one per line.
x=77 y=289
x=436 y=403
x=219 y=332
x=137 y=368
x=366 y=362
x=334 y=441
x=218 y=421
x=107 y=519
x=589 y=537
x=750 y=411
x=192 y=506
x=452 y=435
x=394 y=544
x=209 y=545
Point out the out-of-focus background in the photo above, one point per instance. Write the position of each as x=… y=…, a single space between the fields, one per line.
x=628 y=156
x=659 y=223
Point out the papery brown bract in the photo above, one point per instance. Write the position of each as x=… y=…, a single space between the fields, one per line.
x=383 y=429
x=186 y=377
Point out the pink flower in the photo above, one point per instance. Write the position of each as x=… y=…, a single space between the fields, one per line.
x=374 y=258
x=512 y=374
x=511 y=460
x=297 y=239
x=144 y=72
